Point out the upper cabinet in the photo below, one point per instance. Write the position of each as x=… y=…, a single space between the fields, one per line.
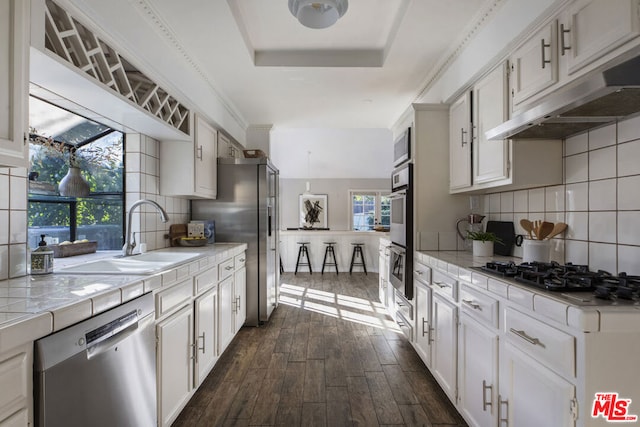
x=533 y=67
x=589 y=29
x=14 y=72
x=460 y=143
x=490 y=108
x=503 y=163
x=189 y=169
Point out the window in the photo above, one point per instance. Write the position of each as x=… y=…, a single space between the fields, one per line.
x=57 y=139
x=369 y=209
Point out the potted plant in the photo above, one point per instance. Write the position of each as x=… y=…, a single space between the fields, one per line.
x=483 y=242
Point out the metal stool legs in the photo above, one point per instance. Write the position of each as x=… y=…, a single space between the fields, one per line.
x=302 y=254
x=330 y=256
x=357 y=251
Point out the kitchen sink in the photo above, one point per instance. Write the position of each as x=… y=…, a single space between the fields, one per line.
x=147 y=263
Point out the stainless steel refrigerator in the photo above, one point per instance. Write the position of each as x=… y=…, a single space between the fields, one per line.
x=246 y=210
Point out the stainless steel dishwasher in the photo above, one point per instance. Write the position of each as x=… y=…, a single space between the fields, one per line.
x=100 y=372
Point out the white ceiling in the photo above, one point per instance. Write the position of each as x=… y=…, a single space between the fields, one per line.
x=268 y=69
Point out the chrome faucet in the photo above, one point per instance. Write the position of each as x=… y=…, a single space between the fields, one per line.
x=129 y=244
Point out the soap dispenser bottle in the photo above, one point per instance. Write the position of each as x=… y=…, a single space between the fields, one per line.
x=42 y=258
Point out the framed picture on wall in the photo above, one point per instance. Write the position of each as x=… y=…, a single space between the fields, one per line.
x=313 y=211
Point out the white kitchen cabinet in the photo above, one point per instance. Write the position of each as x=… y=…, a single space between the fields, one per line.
x=460 y=143
x=16 y=367
x=477 y=372
x=530 y=394
x=424 y=329
x=175 y=354
x=240 y=298
x=14 y=73
x=592 y=28
x=490 y=109
x=206 y=324
x=533 y=66
x=189 y=169
x=445 y=343
x=226 y=313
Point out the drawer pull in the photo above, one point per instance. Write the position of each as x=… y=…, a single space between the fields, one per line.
x=442 y=285
x=418 y=272
x=527 y=338
x=486 y=387
x=472 y=304
x=241 y=260
x=228 y=267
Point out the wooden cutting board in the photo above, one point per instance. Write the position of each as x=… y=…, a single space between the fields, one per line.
x=506 y=232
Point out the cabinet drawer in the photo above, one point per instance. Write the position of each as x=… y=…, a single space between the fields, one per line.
x=225 y=269
x=171 y=298
x=239 y=261
x=552 y=347
x=444 y=285
x=422 y=273
x=204 y=281
x=478 y=305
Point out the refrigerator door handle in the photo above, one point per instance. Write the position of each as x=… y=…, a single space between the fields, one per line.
x=269 y=219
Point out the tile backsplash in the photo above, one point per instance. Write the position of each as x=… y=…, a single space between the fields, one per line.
x=599 y=200
x=142 y=182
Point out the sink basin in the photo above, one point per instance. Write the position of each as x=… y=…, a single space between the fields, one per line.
x=139 y=264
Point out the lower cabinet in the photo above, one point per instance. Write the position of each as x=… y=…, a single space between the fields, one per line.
x=206 y=322
x=423 y=321
x=16 y=378
x=240 y=299
x=531 y=395
x=226 y=313
x=444 y=348
x=174 y=364
x=477 y=372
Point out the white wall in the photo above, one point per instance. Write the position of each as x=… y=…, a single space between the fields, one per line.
x=335 y=153
x=340 y=160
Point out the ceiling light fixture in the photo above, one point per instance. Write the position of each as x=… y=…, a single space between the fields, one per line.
x=318 y=14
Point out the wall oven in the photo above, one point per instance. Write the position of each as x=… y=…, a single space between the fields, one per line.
x=401 y=231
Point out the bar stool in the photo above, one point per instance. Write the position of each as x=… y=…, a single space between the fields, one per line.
x=302 y=253
x=357 y=251
x=329 y=257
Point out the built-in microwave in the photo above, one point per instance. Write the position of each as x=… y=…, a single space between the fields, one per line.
x=402 y=148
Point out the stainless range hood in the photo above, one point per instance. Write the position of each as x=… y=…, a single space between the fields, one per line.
x=605 y=97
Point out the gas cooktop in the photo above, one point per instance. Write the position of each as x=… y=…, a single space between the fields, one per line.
x=569 y=277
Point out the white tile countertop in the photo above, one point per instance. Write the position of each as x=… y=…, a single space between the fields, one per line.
x=579 y=310
x=34 y=306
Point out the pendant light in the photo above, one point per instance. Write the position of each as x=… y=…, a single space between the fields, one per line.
x=308 y=187
x=318 y=14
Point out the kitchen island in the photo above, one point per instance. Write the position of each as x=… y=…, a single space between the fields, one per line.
x=33 y=307
x=343 y=248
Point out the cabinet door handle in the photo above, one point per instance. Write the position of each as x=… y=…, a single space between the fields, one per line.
x=544 y=45
x=503 y=419
x=237 y=303
x=431 y=330
x=203 y=342
x=564 y=47
x=472 y=304
x=424 y=322
x=194 y=351
x=486 y=387
x=199 y=155
x=527 y=338
x=462 y=134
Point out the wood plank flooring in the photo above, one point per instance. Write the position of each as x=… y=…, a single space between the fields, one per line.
x=329 y=356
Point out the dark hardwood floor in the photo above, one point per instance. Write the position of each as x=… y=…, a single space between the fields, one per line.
x=329 y=356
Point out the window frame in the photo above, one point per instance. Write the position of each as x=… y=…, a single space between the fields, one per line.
x=378 y=194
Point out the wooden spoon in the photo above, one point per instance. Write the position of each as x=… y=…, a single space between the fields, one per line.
x=527 y=226
x=544 y=230
x=557 y=229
